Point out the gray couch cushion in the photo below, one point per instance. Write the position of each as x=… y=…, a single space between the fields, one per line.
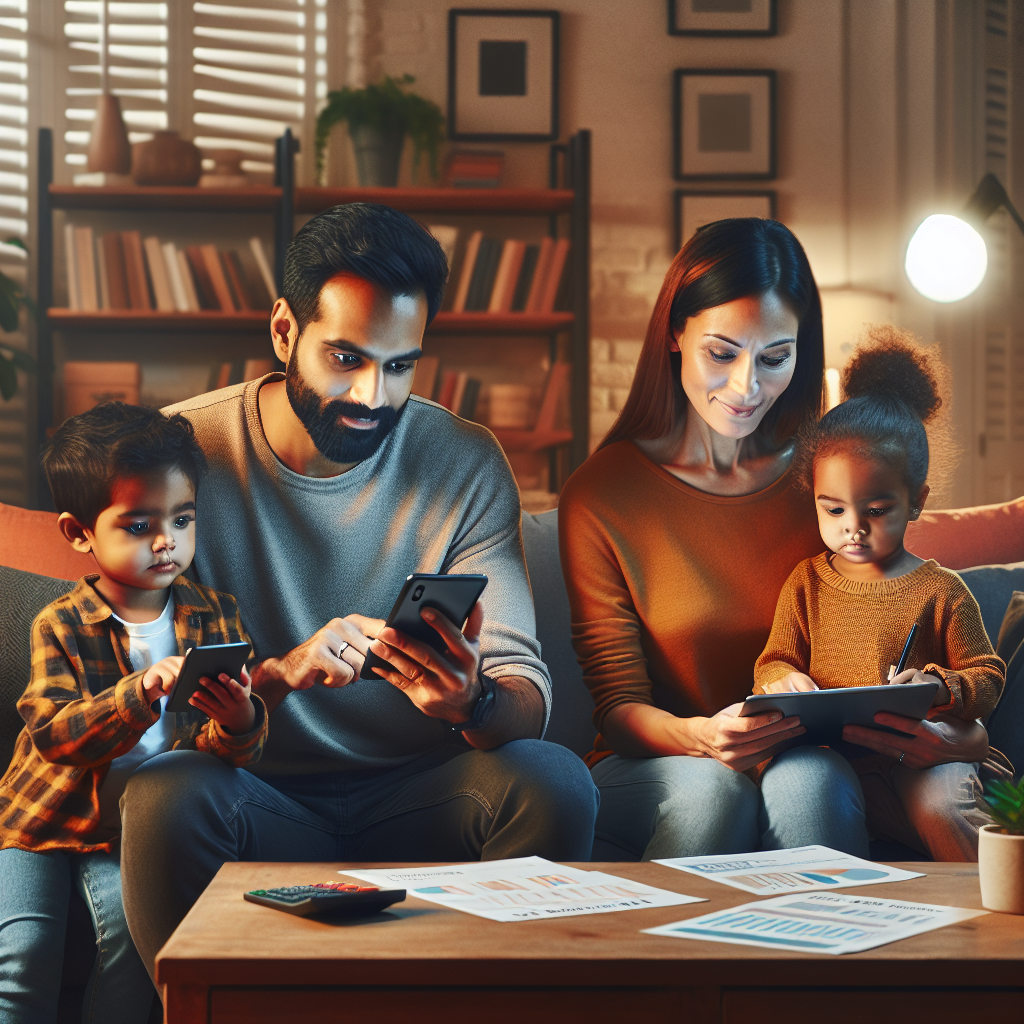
x=992 y=587
x=571 y=706
x=23 y=595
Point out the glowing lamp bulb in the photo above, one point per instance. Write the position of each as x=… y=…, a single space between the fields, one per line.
x=946 y=258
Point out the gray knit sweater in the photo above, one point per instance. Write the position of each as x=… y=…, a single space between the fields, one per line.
x=296 y=551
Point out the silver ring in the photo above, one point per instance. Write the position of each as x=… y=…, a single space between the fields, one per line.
x=903 y=755
x=342 y=649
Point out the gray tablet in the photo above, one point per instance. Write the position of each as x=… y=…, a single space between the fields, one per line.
x=824 y=712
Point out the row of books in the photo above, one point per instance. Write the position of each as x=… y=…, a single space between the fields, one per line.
x=453 y=389
x=123 y=270
x=504 y=275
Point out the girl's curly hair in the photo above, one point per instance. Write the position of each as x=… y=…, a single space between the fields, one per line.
x=891 y=387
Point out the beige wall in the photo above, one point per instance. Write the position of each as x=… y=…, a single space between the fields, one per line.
x=877 y=104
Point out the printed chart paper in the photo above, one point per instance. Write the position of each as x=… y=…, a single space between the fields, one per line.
x=820 y=922
x=802 y=869
x=523 y=889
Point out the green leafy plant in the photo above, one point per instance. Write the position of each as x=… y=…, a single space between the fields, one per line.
x=12 y=299
x=1003 y=805
x=385 y=105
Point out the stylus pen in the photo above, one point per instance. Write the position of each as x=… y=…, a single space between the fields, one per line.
x=904 y=657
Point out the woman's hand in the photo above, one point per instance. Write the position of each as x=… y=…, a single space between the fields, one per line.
x=938 y=741
x=794 y=682
x=740 y=743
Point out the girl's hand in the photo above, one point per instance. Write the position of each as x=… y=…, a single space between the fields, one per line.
x=794 y=682
x=160 y=678
x=227 y=702
x=740 y=743
x=915 y=675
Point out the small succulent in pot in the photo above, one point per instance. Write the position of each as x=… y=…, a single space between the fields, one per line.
x=1002 y=806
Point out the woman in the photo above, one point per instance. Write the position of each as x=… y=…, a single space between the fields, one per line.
x=677 y=536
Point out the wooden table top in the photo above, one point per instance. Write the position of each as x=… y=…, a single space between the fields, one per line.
x=226 y=940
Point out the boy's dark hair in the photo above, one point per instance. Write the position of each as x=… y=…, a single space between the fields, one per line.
x=92 y=450
x=370 y=241
x=891 y=387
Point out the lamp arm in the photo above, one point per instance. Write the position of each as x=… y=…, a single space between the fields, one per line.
x=988 y=197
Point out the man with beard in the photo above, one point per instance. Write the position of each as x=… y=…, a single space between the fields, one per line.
x=326 y=489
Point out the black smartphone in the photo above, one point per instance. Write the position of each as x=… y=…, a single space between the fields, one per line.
x=453 y=596
x=207 y=661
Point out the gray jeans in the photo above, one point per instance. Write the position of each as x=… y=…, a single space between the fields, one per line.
x=185 y=813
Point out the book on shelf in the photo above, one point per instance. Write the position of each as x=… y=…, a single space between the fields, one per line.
x=177 y=283
x=470 y=397
x=135 y=270
x=466 y=274
x=112 y=257
x=505 y=279
x=238 y=371
x=473 y=168
x=236 y=280
x=553 y=278
x=424 y=382
x=88 y=384
x=85 y=262
x=525 y=279
x=216 y=272
x=158 y=274
x=187 y=281
x=484 y=273
x=201 y=275
x=446 y=391
x=256 y=247
x=544 y=254
x=71 y=267
x=459 y=391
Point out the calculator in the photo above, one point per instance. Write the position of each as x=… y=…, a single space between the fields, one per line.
x=327 y=897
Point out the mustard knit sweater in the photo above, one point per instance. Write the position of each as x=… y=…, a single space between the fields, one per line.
x=845 y=632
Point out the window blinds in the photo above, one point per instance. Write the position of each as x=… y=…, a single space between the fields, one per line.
x=128 y=45
x=256 y=72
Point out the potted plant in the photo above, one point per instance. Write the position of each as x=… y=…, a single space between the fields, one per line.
x=379 y=117
x=1001 y=847
x=12 y=298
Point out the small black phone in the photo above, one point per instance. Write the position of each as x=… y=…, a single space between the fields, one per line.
x=207 y=661
x=452 y=595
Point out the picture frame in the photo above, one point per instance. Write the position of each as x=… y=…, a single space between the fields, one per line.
x=503 y=75
x=723 y=124
x=693 y=208
x=722 y=17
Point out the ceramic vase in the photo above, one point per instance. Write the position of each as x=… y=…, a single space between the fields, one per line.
x=378 y=154
x=109 y=149
x=166 y=160
x=1001 y=870
x=227 y=169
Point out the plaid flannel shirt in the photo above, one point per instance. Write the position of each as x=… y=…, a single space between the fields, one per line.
x=85 y=705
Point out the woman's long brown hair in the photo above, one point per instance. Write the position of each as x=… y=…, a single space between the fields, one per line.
x=724 y=261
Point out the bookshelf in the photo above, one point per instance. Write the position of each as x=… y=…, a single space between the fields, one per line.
x=565 y=205
x=564 y=208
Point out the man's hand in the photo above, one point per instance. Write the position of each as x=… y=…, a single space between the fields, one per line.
x=332 y=656
x=441 y=686
x=793 y=682
x=226 y=701
x=160 y=678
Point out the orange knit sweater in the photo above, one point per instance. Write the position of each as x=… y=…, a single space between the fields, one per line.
x=673 y=590
x=845 y=632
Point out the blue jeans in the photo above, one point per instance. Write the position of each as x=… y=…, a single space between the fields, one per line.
x=34 y=893
x=185 y=813
x=693 y=806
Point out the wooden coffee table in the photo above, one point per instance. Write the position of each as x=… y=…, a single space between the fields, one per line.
x=233 y=962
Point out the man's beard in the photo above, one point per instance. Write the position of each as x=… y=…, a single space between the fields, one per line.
x=332 y=438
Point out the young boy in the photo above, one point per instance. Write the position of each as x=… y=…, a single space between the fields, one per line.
x=104 y=658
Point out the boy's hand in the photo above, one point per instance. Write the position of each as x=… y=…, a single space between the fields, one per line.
x=160 y=678
x=794 y=682
x=226 y=701
x=915 y=675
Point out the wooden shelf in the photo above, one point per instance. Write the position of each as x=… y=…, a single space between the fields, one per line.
x=500 y=323
x=140 y=320
x=252 y=198
x=531 y=440
x=441 y=200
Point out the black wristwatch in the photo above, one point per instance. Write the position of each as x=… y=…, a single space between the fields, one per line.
x=481 y=710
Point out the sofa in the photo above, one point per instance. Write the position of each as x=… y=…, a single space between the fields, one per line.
x=985 y=544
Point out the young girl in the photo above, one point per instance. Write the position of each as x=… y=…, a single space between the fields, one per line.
x=844 y=615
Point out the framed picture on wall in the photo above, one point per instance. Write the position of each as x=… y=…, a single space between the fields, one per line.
x=723 y=124
x=721 y=17
x=502 y=75
x=696 y=207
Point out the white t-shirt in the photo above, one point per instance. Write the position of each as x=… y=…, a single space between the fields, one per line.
x=148 y=643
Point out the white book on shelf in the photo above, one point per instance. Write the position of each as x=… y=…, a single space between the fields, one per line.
x=264 y=264
x=158 y=274
x=85 y=259
x=174 y=276
x=468 y=264
x=101 y=270
x=74 y=299
x=185 y=272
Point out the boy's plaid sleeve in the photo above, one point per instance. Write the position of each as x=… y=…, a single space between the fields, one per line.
x=67 y=723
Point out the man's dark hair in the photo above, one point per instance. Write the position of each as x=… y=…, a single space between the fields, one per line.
x=93 y=450
x=374 y=242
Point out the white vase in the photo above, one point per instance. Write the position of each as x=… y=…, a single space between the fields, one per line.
x=1001 y=870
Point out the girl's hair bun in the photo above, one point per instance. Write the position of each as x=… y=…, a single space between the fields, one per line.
x=888 y=364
